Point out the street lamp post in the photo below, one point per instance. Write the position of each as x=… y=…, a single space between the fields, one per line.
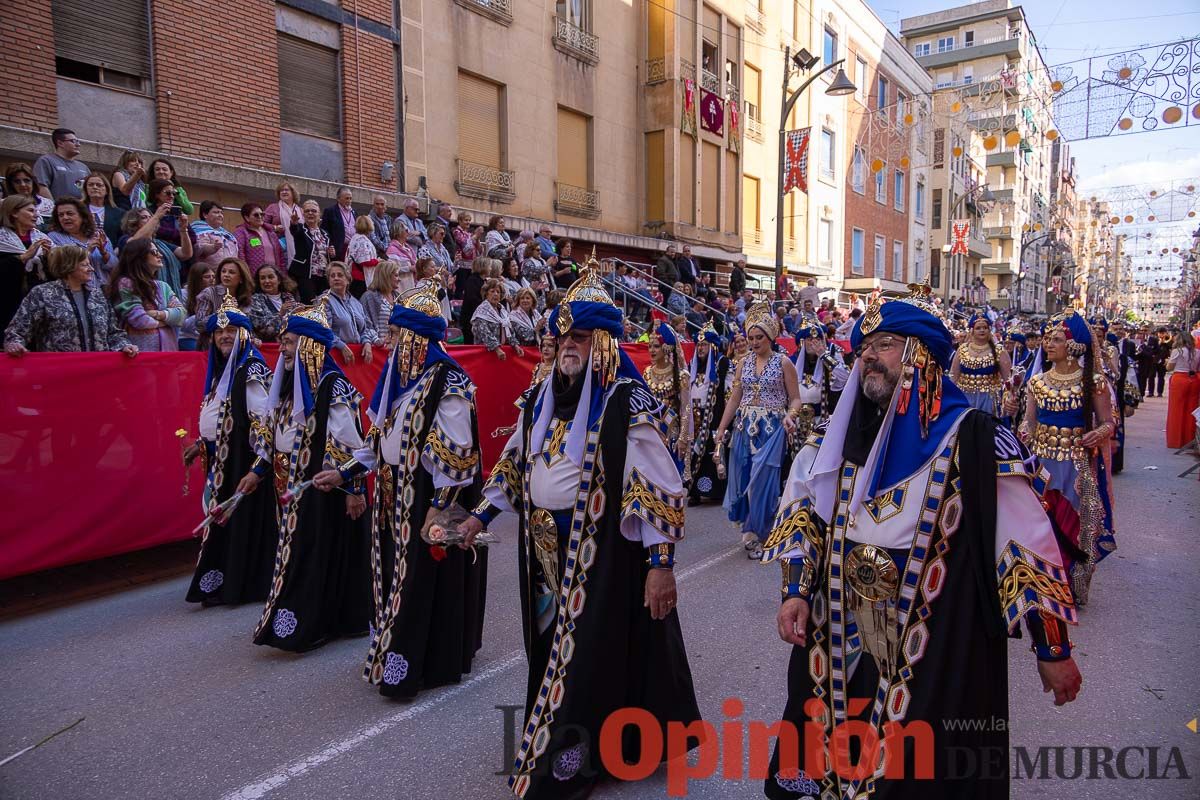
x=802 y=61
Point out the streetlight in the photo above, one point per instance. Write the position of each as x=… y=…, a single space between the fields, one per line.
x=802 y=61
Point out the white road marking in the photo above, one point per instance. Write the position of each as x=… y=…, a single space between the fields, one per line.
x=268 y=784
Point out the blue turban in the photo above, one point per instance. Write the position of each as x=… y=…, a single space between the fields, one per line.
x=312 y=329
x=1016 y=337
x=589 y=315
x=235 y=318
x=713 y=338
x=667 y=333
x=810 y=329
x=420 y=323
x=301 y=326
x=1100 y=322
x=243 y=348
x=1074 y=326
x=908 y=319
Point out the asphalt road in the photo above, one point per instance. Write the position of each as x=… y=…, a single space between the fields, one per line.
x=177 y=703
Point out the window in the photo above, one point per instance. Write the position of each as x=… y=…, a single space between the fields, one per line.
x=655 y=181
x=880 y=264
x=708 y=56
x=897 y=261
x=921 y=50
x=969 y=39
x=919 y=265
x=901 y=108
x=944 y=79
x=828 y=154
x=309 y=81
x=968 y=75
x=881 y=186
x=480 y=118
x=831 y=46
x=825 y=241
x=898 y=190
x=110 y=48
x=935 y=269
x=574 y=152
x=919 y=202
x=945 y=44
x=857 y=245
x=710 y=186
x=750 y=200
x=730 y=206
x=862 y=84
x=753 y=94
x=881 y=97
x=576 y=12
x=937 y=208
x=858 y=171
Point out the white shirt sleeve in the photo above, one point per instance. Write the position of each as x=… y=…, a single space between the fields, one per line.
x=343 y=428
x=452 y=424
x=649 y=466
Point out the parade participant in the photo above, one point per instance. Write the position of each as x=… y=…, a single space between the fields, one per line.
x=237 y=548
x=899 y=586
x=1033 y=353
x=424 y=446
x=821 y=374
x=670 y=383
x=979 y=368
x=321 y=586
x=708 y=372
x=1126 y=383
x=1183 y=390
x=1068 y=423
x=763 y=409
x=548 y=347
x=601 y=505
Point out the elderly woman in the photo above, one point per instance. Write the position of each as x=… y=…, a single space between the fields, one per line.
x=435 y=249
x=257 y=243
x=214 y=243
x=232 y=276
x=427 y=272
x=490 y=323
x=98 y=196
x=381 y=298
x=129 y=181
x=72 y=223
x=347 y=318
x=497 y=243
x=512 y=279
x=147 y=307
x=22 y=248
x=312 y=254
x=535 y=270
x=680 y=300
x=525 y=319
x=162 y=170
x=467 y=245
x=19 y=179
x=66 y=315
x=361 y=256
x=472 y=294
x=281 y=215
x=274 y=298
x=404 y=255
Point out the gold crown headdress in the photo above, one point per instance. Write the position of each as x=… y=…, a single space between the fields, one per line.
x=411 y=348
x=229 y=304
x=759 y=315
x=589 y=288
x=424 y=299
x=309 y=352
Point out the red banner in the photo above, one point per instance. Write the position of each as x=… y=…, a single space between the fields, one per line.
x=712 y=112
x=795 y=160
x=961 y=230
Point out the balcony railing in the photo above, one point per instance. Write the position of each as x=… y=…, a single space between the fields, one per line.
x=576 y=42
x=484 y=182
x=754 y=128
x=755 y=19
x=709 y=81
x=498 y=10
x=576 y=200
x=656 y=70
x=687 y=69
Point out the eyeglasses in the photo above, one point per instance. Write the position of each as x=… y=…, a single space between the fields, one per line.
x=880 y=346
x=579 y=337
x=257 y=214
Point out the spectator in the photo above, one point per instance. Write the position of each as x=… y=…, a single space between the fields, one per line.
x=61 y=173
x=524 y=240
x=737 y=278
x=697 y=317
x=435 y=248
x=172 y=225
x=66 y=315
x=98 y=196
x=498 y=243
x=162 y=170
x=468 y=245
x=427 y=272
x=567 y=268
x=129 y=181
x=232 y=276
x=545 y=243
x=678 y=301
x=792 y=321
x=490 y=323
x=361 y=256
x=809 y=295
x=18 y=179
x=536 y=271
x=139 y=223
x=338 y=223
x=273 y=299
x=473 y=295
x=381 y=297
x=257 y=243
x=282 y=214
x=214 y=243
x=808 y=309
x=312 y=255
x=527 y=322
x=513 y=280
x=22 y=250
x=411 y=220
x=200 y=277
x=679 y=325
x=689 y=270
x=404 y=255
x=347 y=318
x=381 y=225
x=147 y=307
x=73 y=224
x=445 y=218
x=666 y=274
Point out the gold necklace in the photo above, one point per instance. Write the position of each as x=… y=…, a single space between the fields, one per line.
x=1063 y=379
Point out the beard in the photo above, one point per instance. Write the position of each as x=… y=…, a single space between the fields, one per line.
x=570 y=366
x=879 y=385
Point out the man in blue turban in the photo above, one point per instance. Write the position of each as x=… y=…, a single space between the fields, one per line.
x=601 y=507
x=899 y=588
x=821 y=374
x=708 y=374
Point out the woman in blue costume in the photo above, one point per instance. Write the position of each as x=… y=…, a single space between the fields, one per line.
x=979 y=368
x=762 y=409
x=1068 y=423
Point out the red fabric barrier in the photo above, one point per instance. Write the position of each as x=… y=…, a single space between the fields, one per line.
x=90 y=465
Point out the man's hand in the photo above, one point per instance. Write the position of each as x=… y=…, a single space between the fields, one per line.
x=793 y=621
x=660 y=593
x=1062 y=678
x=327 y=480
x=356 y=504
x=470 y=528
x=191 y=453
x=248 y=483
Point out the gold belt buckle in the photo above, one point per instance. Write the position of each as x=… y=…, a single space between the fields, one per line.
x=871 y=573
x=544 y=532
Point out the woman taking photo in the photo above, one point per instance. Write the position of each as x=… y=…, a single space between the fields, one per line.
x=1183 y=390
x=381 y=298
x=257 y=243
x=274 y=298
x=172 y=225
x=526 y=321
x=490 y=324
x=129 y=182
x=281 y=215
x=73 y=224
x=162 y=170
x=347 y=318
x=233 y=276
x=214 y=243
x=141 y=224
x=22 y=250
x=312 y=253
x=762 y=411
x=147 y=307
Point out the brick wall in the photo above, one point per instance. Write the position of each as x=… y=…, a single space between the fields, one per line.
x=29 y=98
x=368 y=105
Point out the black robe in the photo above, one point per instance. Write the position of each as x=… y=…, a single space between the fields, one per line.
x=707 y=485
x=321 y=587
x=429 y=614
x=236 y=558
x=617 y=656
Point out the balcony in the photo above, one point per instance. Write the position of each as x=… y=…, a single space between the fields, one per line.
x=998 y=232
x=497 y=10
x=709 y=81
x=484 y=182
x=656 y=70
x=1003 y=195
x=755 y=19
x=576 y=201
x=998 y=268
x=576 y=42
x=999 y=46
x=1006 y=159
x=754 y=129
x=977 y=245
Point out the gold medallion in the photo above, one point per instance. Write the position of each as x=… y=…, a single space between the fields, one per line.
x=544 y=532
x=871 y=573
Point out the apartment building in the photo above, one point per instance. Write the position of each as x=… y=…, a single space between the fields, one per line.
x=958 y=174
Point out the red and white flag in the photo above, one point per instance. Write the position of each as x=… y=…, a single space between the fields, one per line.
x=795 y=160
x=961 y=229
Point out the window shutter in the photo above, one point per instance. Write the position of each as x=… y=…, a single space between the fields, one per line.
x=479 y=121
x=753 y=91
x=750 y=211
x=573 y=160
x=308 y=88
x=115 y=36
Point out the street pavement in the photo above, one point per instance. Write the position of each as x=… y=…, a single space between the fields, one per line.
x=177 y=703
